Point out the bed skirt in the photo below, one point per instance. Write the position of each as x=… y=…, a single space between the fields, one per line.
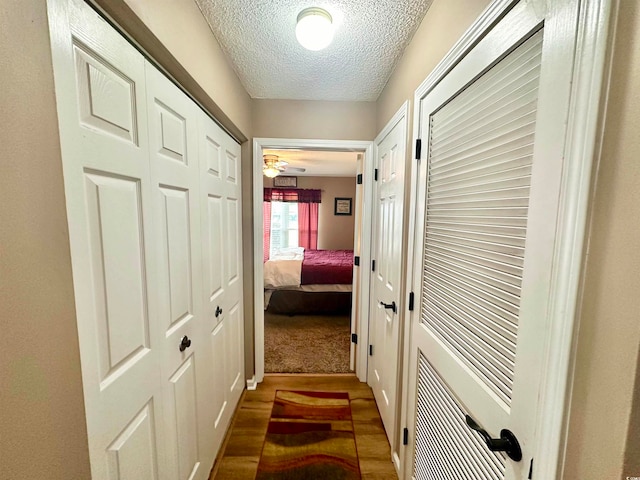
x=295 y=302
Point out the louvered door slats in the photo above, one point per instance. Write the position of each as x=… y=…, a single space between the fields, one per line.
x=498 y=356
x=512 y=257
x=502 y=230
x=479 y=298
x=508 y=75
x=456 y=270
x=499 y=293
x=473 y=179
x=481 y=236
x=515 y=154
x=491 y=138
x=521 y=100
x=487 y=463
x=522 y=115
x=440 y=426
x=502 y=213
x=478 y=185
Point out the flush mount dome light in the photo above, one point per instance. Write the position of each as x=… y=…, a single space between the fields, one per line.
x=314 y=30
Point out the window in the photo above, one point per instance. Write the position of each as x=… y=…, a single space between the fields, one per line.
x=284 y=225
x=290 y=219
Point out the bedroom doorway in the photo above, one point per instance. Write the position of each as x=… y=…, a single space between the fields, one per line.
x=306 y=318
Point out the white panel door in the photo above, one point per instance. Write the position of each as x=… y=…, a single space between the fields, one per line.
x=384 y=326
x=100 y=88
x=485 y=226
x=222 y=272
x=173 y=144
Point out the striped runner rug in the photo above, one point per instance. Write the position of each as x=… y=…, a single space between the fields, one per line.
x=310 y=436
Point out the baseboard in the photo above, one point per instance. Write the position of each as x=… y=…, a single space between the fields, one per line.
x=252 y=384
x=396 y=462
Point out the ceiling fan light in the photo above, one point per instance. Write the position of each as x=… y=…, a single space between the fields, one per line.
x=270 y=172
x=314 y=30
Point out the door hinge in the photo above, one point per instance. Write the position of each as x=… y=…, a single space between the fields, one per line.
x=356 y=261
x=371 y=350
x=359 y=179
x=418 y=149
x=411 y=299
x=531 y=469
x=405 y=436
x=354 y=338
x=375 y=174
x=373 y=265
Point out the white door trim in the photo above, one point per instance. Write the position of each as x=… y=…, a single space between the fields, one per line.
x=590 y=77
x=362 y=329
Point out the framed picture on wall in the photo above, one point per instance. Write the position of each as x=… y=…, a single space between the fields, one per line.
x=342 y=206
x=281 y=181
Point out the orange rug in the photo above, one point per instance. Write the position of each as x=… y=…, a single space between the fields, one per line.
x=310 y=437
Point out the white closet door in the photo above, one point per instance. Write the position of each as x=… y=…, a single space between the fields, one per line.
x=222 y=272
x=173 y=144
x=384 y=326
x=100 y=87
x=488 y=196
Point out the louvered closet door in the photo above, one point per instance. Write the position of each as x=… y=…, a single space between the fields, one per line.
x=485 y=227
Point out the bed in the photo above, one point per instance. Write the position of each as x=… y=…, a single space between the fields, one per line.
x=304 y=282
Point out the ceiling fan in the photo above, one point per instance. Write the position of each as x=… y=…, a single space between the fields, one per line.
x=273 y=166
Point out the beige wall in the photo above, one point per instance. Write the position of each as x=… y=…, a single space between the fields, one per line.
x=314 y=119
x=42 y=426
x=335 y=232
x=445 y=22
x=609 y=336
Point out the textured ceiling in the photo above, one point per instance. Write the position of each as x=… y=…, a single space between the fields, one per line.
x=318 y=163
x=258 y=37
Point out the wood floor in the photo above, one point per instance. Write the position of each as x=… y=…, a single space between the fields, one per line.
x=243 y=445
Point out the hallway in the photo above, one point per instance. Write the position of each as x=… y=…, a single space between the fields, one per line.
x=241 y=451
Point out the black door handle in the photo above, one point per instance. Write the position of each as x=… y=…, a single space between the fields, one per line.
x=218 y=311
x=185 y=343
x=391 y=306
x=507 y=442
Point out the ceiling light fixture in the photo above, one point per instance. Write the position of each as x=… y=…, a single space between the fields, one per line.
x=270 y=168
x=271 y=172
x=314 y=30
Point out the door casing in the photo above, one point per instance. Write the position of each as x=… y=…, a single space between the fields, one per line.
x=362 y=328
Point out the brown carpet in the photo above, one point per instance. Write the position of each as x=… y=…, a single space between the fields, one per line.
x=306 y=343
x=310 y=437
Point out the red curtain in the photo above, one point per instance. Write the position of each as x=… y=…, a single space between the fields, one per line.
x=300 y=195
x=308 y=225
x=266 y=229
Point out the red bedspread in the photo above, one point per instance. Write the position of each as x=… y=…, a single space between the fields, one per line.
x=327 y=267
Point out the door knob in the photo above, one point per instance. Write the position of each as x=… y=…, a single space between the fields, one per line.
x=218 y=311
x=507 y=442
x=185 y=343
x=391 y=306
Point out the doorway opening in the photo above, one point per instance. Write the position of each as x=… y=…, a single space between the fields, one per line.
x=308 y=227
